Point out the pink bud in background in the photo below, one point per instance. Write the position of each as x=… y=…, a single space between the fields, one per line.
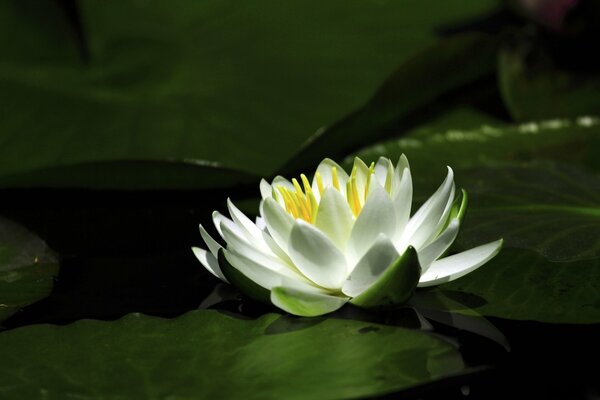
x=550 y=13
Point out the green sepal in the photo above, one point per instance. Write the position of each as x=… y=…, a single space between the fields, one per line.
x=457 y=210
x=305 y=304
x=395 y=286
x=242 y=282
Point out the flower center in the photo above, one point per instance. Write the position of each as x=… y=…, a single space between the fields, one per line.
x=302 y=203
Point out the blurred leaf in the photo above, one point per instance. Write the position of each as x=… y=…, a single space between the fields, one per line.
x=448 y=65
x=206 y=354
x=27 y=268
x=167 y=83
x=36 y=32
x=537 y=186
x=534 y=87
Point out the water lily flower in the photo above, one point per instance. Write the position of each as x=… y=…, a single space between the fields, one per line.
x=342 y=238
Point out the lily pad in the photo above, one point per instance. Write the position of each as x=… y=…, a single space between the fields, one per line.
x=535 y=185
x=27 y=268
x=534 y=87
x=206 y=354
x=177 y=87
x=523 y=285
x=416 y=84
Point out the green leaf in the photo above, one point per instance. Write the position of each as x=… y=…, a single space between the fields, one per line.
x=395 y=286
x=305 y=303
x=448 y=65
x=206 y=354
x=533 y=87
x=27 y=268
x=536 y=185
x=170 y=86
x=523 y=285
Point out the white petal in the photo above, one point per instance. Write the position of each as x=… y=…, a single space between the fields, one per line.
x=371 y=266
x=403 y=194
x=334 y=217
x=316 y=256
x=281 y=181
x=453 y=267
x=377 y=216
x=279 y=222
x=209 y=262
x=218 y=218
x=250 y=230
x=260 y=223
x=324 y=169
x=211 y=243
x=258 y=273
x=382 y=167
x=435 y=249
x=265 y=189
x=268 y=259
x=277 y=250
x=401 y=167
x=422 y=226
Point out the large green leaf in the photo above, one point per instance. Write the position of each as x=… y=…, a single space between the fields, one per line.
x=172 y=84
x=206 y=354
x=521 y=284
x=534 y=87
x=537 y=186
x=450 y=64
x=27 y=268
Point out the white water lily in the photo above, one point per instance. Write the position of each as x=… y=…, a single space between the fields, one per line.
x=342 y=238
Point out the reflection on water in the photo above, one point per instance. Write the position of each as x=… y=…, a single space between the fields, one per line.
x=434 y=312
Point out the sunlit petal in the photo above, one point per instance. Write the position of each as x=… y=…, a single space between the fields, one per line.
x=453 y=267
x=370 y=266
x=209 y=262
x=377 y=217
x=316 y=256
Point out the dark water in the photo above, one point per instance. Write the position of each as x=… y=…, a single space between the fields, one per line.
x=129 y=252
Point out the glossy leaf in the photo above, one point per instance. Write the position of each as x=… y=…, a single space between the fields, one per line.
x=27 y=268
x=160 y=91
x=521 y=284
x=536 y=186
x=206 y=354
x=446 y=66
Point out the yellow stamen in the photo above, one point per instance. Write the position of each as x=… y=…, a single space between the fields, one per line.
x=314 y=207
x=388 y=178
x=300 y=201
x=334 y=178
x=302 y=204
x=369 y=174
x=319 y=183
x=297 y=187
x=306 y=184
x=289 y=202
x=352 y=193
x=297 y=203
x=349 y=196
